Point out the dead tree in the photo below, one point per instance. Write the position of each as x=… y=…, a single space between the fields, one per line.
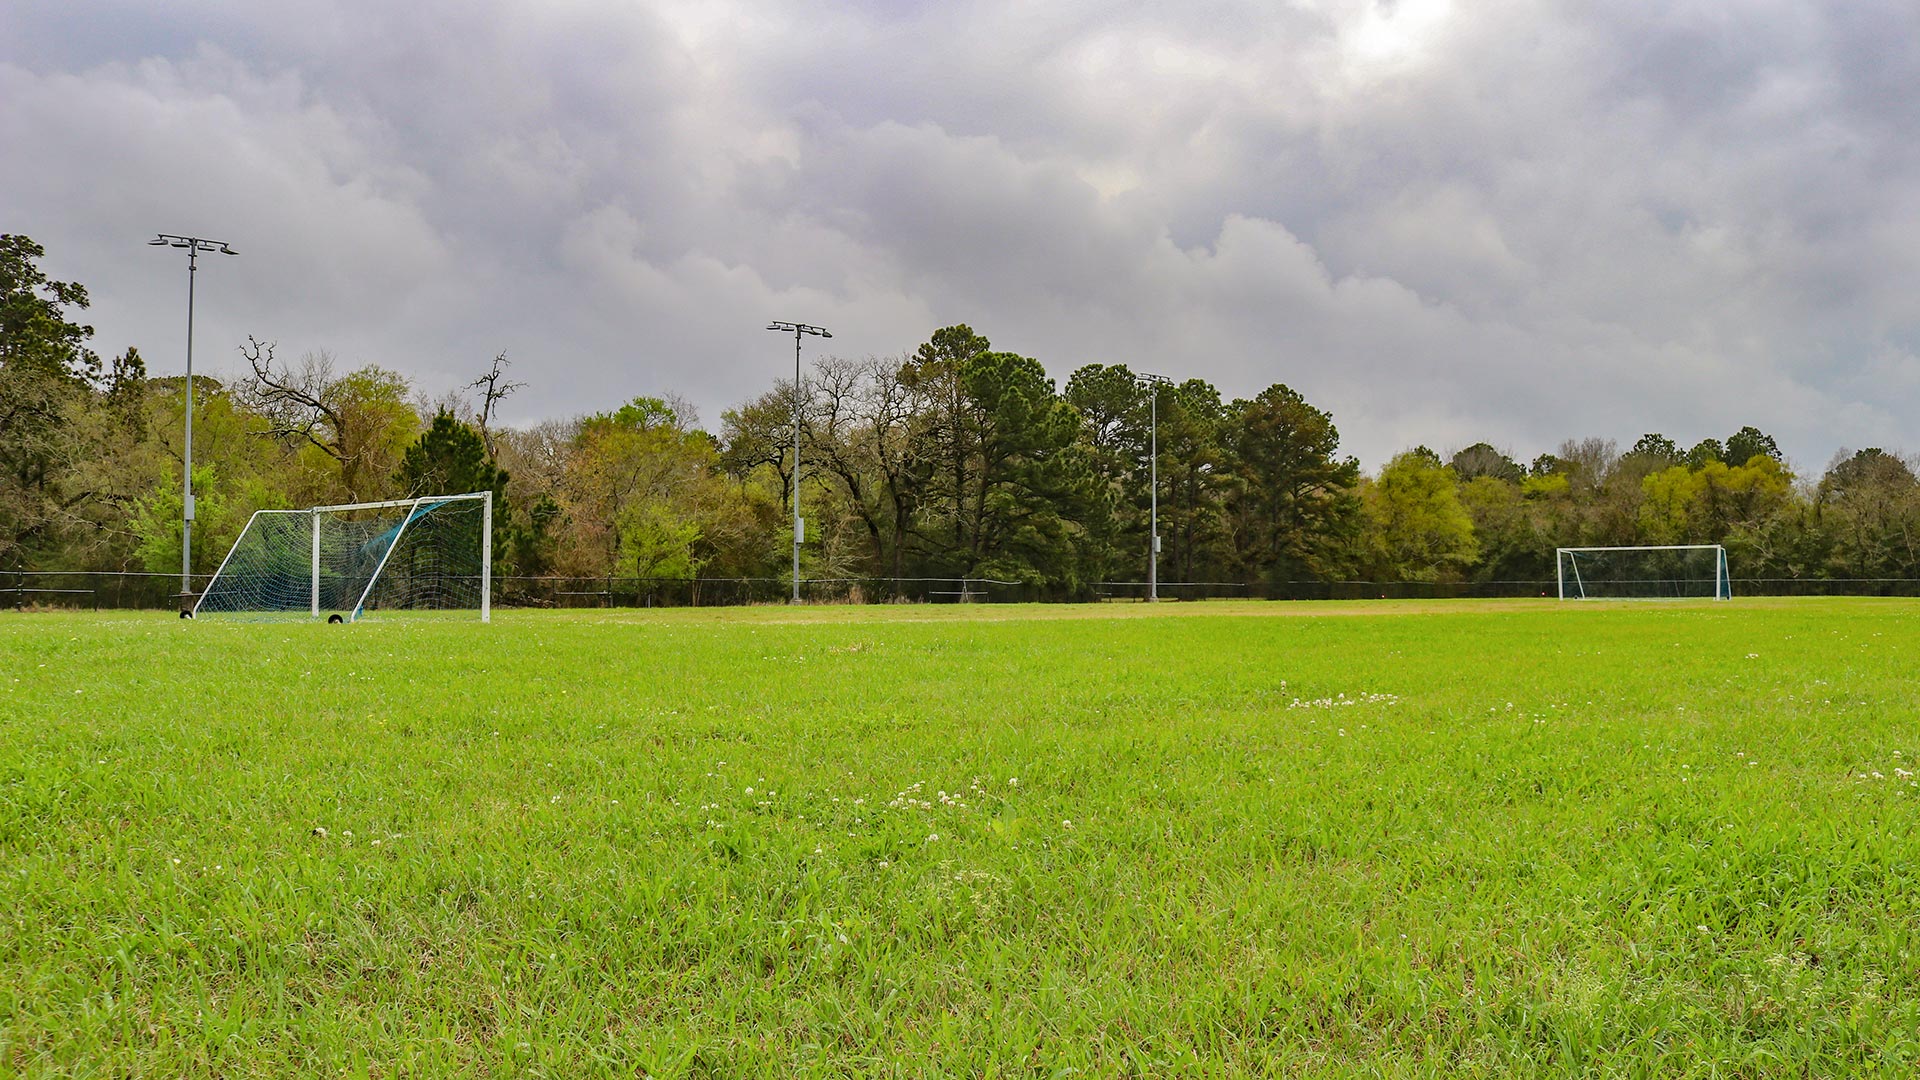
x=493 y=387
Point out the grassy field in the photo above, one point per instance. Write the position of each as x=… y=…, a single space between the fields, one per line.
x=1445 y=839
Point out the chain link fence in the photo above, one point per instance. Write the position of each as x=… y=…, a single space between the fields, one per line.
x=130 y=590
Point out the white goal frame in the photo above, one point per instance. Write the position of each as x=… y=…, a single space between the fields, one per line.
x=318 y=513
x=1722 y=582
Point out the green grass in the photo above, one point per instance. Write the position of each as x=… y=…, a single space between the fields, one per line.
x=1531 y=839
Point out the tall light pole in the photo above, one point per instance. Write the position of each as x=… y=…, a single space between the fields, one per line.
x=194 y=245
x=1154 y=383
x=799 y=330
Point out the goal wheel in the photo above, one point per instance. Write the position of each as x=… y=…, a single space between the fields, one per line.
x=331 y=619
x=186 y=613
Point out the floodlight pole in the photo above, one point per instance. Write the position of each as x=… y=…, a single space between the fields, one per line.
x=799 y=329
x=194 y=245
x=1154 y=383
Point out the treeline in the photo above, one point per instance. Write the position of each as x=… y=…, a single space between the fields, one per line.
x=956 y=460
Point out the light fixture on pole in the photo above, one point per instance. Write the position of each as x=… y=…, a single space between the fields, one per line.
x=1154 y=383
x=799 y=527
x=194 y=246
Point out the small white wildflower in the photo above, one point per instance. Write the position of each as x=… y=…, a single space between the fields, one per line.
x=1013 y=781
x=1066 y=825
x=931 y=837
x=883 y=863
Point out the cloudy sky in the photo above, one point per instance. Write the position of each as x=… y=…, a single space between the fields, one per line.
x=1444 y=222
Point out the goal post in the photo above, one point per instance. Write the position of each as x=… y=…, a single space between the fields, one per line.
x=433 y=553
x=1657 y=572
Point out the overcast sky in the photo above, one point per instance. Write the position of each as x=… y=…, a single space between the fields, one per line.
x=1443 y=222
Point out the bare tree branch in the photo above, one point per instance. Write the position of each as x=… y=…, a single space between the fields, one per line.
x=494 y=388
x=294 y=400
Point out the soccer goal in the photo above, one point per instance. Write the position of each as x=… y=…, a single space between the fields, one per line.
x=1673 y=572
x=346 y=562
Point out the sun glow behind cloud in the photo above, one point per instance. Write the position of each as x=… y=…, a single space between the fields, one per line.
x=1395 y=34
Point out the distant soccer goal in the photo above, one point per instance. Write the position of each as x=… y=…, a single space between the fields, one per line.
x=1675 y=572
x=343 y=563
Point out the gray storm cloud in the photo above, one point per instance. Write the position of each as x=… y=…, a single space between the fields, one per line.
x=1510 y=221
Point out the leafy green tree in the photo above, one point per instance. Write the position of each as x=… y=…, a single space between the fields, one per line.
x=1482 y=459
x=350 y=430
x=46 y=377
x=450 y=458
x=643 y=495
x=1868 y=506
x=221 y=506
x=947 y=435
x=35 y=333
x=1511 y=529
x=1748 y=443
x=1197 y=479
x=1295 y=509
x=237 y=468
x=1114 y=410
x=1704 y=451
x=1717 y=503
x=1550 y=465
x=1656 y=450
x=1415 y=526
x=532 y=541
x=860 y=421
x=1032 y=479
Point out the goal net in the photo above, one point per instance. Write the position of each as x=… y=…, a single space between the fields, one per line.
x=427 y=554
x=1677 y=572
